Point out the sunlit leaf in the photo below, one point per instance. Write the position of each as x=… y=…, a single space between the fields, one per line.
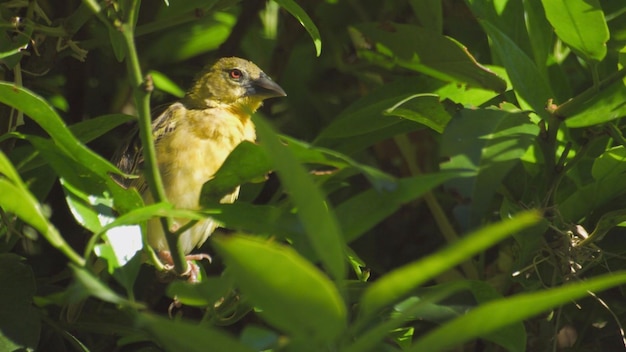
x=318 y=219
x=296 y=11
x=487 y=142
x=527 y=80
x=580 y=24
x=500 y=313
x=429 y=52
x=187 y=336
x=293 y=294
x=396 y=284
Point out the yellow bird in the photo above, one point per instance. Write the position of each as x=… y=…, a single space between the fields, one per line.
x=193 y=137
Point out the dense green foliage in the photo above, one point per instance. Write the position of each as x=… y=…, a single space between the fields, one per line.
x=447 y=174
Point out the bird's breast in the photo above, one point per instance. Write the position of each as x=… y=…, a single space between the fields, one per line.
x=192 y=154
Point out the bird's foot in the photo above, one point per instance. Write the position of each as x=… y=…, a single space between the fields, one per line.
x=193 y=270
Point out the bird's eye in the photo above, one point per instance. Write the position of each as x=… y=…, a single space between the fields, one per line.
x=235 y=74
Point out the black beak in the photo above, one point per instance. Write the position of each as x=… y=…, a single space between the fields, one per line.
x=265 y=88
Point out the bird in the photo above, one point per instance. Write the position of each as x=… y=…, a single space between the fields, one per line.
x=192 y=139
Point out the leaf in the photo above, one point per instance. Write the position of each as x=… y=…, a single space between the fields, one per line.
x=86 y=284
x=292 y=293
x=604 y=106
x=540 y=32
x=487 y=142
x=201 y=294
x=296 y=11
x=366 y=114
x=363 y=211
x=611 y=162
x=85 y=131
x=399 y=282
x=190 y=39
x=500 y=313
x=512 y=337
x=185 y=336
x=245 y=163
x=20 y=323
x=581 y=25
x=259 y=219
x=426 y=304
x=40 y=111
x=88 y=130
x=249 y=163
x=307 y=153
x=116 y=38
x=123 y=267
x=422 y=108
x=165 y=84
x=317 y=217
x=429 y=52
x=15 y=198
x=529 y=83
x=608 y=173
x=81 y=207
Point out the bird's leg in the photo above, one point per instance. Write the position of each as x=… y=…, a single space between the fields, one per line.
x=192 y=268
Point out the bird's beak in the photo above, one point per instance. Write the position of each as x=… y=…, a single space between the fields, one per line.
x=265 y=88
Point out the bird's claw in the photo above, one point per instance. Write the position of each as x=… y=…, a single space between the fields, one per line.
x=193 y=270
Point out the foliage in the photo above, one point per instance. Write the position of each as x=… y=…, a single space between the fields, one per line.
x=449 y=174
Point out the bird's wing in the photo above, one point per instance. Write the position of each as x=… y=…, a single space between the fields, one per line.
x=129 y=157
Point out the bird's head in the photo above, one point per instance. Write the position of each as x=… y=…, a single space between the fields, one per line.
x=234 y=82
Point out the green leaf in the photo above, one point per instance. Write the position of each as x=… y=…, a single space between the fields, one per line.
x=247 y=162
x=605 y=105
x=529 y=83
x=86 y=284
x=366 y=114
x=259 y=219
x=116 y=38
x=88 y=130
x=185 y=336
x=82 y=206
x=15 y=198
x=611 y=162
x=487 y=142
x=540 y=32
x=190 y=39
x=307 y=153
x=500 y=313
x=292 y=293
x=317 y=217
x=581 y=25
x=40 y=111
x=422 y=108
x=201 y=294
x=429 y=52
x=20 y=323
x=165 y=84
x=123 y=268
x=12 y=47
x=147 y=212
x=398 y=283
x=363 y=211
x=296 y=11
x=85 y=131
x=512 y=337
x=608 y=173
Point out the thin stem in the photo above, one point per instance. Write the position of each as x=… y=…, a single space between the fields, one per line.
x=448 y=232
x=142 y=89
